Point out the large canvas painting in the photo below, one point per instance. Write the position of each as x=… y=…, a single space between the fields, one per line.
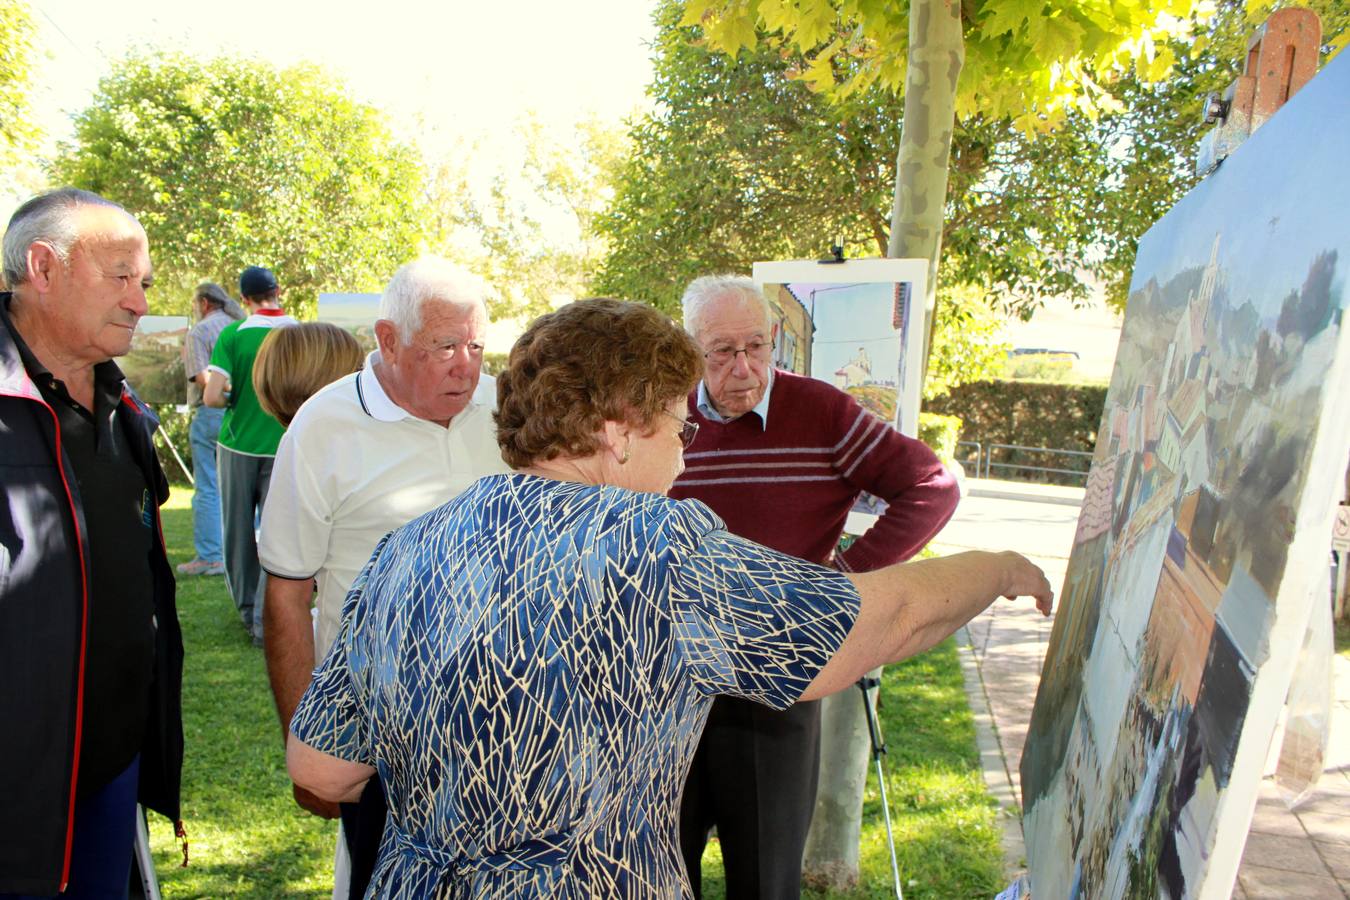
x=1206 y=523
x=857 y=325
x=154 y=366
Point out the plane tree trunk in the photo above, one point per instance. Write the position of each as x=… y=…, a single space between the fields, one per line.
x=936 y=54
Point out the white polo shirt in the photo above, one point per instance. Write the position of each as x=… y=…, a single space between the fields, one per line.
x=354 y=466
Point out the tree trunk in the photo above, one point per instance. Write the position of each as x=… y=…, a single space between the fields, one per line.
x=845 y=751
x=936 y=54
x=937 y=51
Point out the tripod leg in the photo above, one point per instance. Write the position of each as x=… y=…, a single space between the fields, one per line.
x=878 y=751
x=143 y=863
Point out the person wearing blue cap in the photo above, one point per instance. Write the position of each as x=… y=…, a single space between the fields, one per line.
x=248 y=439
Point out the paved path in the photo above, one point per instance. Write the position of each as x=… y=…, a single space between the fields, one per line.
x=1288 y=854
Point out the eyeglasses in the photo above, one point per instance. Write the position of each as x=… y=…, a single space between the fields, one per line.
x=447 y=351
x=688 y=429
x=725 y=353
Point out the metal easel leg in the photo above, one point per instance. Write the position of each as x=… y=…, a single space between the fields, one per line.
x=148 y=881
x=866 y=684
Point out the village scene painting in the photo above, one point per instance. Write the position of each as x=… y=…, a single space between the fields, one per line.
x=1205 y=527
x=154 y=366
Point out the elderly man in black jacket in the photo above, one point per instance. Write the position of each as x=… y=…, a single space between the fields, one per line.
x=91 y=655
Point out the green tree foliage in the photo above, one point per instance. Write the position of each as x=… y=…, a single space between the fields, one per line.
x=1033 y=61
x=737 y=163
x=1121 y=156
x=531 y=234
x=1029 y=61
x=1152 y=139
x=742 y=161
x=967 y=342
x=17 y=135
x=230 y=164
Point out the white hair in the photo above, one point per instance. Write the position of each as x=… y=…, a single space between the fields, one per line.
x=49 y=218
x=428 y=279
x=703 y=292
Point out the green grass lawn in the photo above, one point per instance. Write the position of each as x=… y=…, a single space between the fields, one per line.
x=249 y=839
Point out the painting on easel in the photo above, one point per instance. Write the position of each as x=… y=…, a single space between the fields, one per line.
x=154 y=365
x=857 y=324
x=1206 y=523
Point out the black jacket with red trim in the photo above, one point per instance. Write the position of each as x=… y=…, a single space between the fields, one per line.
x=43 y=618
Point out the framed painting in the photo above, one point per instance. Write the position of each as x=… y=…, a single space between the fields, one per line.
x=354 y=312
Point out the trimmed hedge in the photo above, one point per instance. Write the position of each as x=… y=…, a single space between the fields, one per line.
x=1030 y=414
x=940 y=433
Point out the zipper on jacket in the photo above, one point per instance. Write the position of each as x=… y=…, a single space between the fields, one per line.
x=84 y=639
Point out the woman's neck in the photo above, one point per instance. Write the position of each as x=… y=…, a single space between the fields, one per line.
x=586 y=470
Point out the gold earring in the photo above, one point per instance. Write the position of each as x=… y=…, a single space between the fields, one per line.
x=627 y=455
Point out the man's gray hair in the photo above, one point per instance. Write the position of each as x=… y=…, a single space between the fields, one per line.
x=702 y=292
x=50 y=218
x=428 y=278
x=216 y=298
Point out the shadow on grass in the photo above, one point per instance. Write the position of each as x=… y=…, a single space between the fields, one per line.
x=266 y=874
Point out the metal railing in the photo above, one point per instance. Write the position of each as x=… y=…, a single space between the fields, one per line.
x=970 y=463
x=990 y=464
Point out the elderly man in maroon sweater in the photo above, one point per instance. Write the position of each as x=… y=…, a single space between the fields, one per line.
x=782 y=458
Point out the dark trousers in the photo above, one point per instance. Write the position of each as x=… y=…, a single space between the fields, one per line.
x=754 y=778
x=103 y=842
x=243 y=482
x=363 y=826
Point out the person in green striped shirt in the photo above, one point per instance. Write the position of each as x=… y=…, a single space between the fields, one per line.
x=248 y=439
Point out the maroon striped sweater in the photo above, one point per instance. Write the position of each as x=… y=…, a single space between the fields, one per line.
x=790 y=486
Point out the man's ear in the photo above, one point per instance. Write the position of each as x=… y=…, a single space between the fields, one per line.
x=387 y=339
x=43 y=266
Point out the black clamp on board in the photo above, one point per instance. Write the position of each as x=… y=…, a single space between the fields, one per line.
x=836 y=254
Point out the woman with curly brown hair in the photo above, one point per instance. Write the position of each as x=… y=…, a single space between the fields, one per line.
x=530 y=665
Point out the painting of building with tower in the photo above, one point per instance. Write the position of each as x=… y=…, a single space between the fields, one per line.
x=1207 y=515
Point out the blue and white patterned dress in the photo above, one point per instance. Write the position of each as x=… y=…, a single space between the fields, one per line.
x=529 y=668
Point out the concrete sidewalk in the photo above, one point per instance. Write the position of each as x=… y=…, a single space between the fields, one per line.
x=1302 y=853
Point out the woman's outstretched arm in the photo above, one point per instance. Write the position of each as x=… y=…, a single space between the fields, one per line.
x=909 y=607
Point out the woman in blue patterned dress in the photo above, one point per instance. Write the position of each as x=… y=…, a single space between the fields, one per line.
x=529 y=666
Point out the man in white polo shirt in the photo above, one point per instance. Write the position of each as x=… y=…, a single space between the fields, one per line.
x=363 y=456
